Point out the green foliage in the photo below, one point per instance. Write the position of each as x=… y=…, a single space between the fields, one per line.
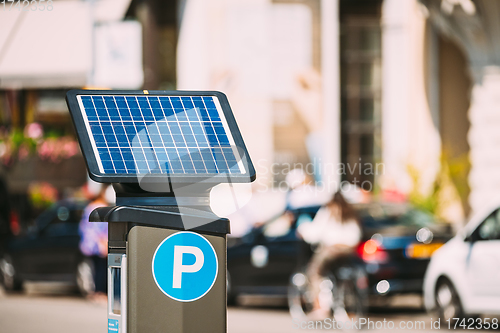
x=42 y=195
x=428 y=201
x=452 y=172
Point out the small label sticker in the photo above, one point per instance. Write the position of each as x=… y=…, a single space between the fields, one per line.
x=113 y=326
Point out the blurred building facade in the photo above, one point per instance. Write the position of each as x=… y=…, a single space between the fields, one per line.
x=337 y=86
x=383 y=93
x=45 y=50
x=470 y=94
x=348 y=84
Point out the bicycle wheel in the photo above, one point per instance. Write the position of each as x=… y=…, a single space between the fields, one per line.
x=350 y=296
x=301 y=299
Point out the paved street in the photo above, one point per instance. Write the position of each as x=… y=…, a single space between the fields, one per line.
x=42 y=313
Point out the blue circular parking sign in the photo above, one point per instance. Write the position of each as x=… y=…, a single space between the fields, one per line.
x=185 y=266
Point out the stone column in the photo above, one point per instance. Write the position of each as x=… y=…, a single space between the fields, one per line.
x=330 y=70
x=484 y=139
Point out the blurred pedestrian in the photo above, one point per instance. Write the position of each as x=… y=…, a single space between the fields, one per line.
x=94 y=240
x=336 y=231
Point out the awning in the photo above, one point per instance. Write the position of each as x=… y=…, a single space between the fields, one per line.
x=51 y=49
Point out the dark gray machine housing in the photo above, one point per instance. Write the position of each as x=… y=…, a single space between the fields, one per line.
x=137 y=232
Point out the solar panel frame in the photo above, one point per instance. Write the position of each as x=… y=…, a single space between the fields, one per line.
x=87 y=144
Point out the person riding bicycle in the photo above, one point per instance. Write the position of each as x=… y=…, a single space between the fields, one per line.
x=336 y=231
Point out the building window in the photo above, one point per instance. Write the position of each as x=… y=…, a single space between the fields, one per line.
x=360 y=91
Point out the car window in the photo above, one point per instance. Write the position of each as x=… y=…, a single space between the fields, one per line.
x=279 y=227
x=490 y=228
x=377 y=211
x=60 y=219
x=46 y=217
x=410 y=218
x=417 y=218
x=64 y=214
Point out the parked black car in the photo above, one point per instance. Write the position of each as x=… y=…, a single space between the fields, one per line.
x=398 y=241
x=49 y=251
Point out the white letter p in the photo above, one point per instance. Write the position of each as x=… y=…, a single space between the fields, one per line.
x=179 y=268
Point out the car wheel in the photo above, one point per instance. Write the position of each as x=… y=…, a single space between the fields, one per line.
x=8 y=273
x=85 y=277
x=448 y=303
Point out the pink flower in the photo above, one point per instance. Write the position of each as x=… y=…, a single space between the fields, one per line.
x=58 y=149
x=70 y=148
x=33 y=131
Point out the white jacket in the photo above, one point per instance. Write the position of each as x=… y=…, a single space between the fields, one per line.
x=326 y=230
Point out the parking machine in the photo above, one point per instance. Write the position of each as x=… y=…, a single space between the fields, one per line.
x=162 y=151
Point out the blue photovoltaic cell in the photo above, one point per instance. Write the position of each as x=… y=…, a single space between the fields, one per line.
x=159 y=134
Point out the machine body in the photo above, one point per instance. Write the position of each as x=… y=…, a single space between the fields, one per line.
x=162 y=151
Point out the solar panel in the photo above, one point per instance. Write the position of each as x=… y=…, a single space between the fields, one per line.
x=173 y=133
